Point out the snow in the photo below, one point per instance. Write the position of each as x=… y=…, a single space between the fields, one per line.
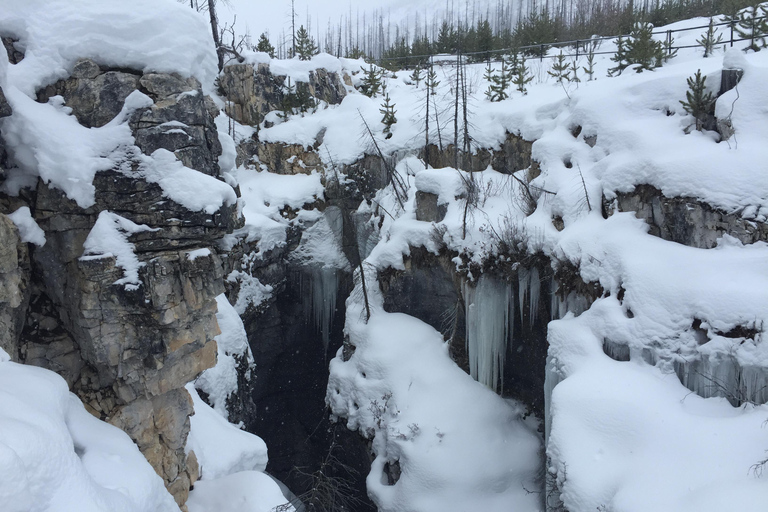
x=28 y=228
x=109 y=239
x=265 y=194
x=620 y=435
x=401 y=388
x=247 y=491
x=221 y=448
x=147 y=35
x=56 y=456
x=46 y=141
x=220 y=381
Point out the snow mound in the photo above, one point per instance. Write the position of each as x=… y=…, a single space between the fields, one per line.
x=109 y=239
x=28 y=228
x=221 y=448
x=147 y=35
x=402 y=388
x=56 y=456
x=220 y=381
x=247 y=491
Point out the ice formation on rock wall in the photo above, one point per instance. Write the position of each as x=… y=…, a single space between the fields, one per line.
x=489 y=327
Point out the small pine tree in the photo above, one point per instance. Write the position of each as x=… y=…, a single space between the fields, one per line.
x=488 y=77
x=371 y=84
x=643 y=50
x=305 y=45
x=589 y=69
x=499 y=81
x=753 y=25
x=620 y=58
x=431 y=81
x=523 y=77
x=388 y=111
x=708 y=41
x=575 y=70
x=289 y=101
x=265 y=46
x=561 y=70
x=416 y=75
x=698 y=101
x=669 y=51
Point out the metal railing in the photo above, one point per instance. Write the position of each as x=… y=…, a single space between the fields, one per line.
x=540 y=50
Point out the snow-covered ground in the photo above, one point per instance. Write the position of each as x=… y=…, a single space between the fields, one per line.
x=54 y=455
x=621 y=436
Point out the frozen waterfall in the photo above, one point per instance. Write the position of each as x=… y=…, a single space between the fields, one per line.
x=489 y=327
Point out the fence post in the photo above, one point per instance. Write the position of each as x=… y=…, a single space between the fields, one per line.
x=732 y=22
x=577 y=49
x=541 y=53
x=669 y=42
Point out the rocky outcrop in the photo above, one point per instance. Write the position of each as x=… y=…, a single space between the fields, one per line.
x=126 y=351
x=684 y=220
x=289 y=158
x=254 y=92
x=14 y=286
x=513 y=155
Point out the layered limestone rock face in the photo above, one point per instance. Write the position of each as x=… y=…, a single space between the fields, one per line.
x=14 y=285
x=126 y=351
x=686 y=220
x=254 y=92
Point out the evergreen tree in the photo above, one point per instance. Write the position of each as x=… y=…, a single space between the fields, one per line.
x=416 y=75
x=484 y=39
x=753 y=26
x=642 y=49
x=499 y=81
x=305 y=45
x=561 y=70
x=446 y=39
x=708 y=41
x=371 y=84
x=265 y=46
x=698 y=102
x=289 y=101
x=575 y=70
x=523 y=77
x=620 y=58
x=388 y=111
x=431 y=81
x=669 y=51
x=590 y=67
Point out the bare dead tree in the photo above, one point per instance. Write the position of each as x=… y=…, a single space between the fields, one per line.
x=397 y=182
x=332 y=488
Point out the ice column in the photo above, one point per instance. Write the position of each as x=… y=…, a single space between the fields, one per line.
x=488 y=329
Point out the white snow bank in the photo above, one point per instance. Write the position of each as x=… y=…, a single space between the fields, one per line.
x=265 y=194
x=628 y=437
x=28 y=228
x=56 y=456
x=147 y=35
x=44 y=140
x=459 y=446
x=221 y=448
x=109 y=239
x=190 y=188
x=221 y=381
x=248 y=491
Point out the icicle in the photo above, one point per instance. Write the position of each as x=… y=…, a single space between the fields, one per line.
x=487 y=307
x=535 y=290
x=523 y=284
x=325 y=286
